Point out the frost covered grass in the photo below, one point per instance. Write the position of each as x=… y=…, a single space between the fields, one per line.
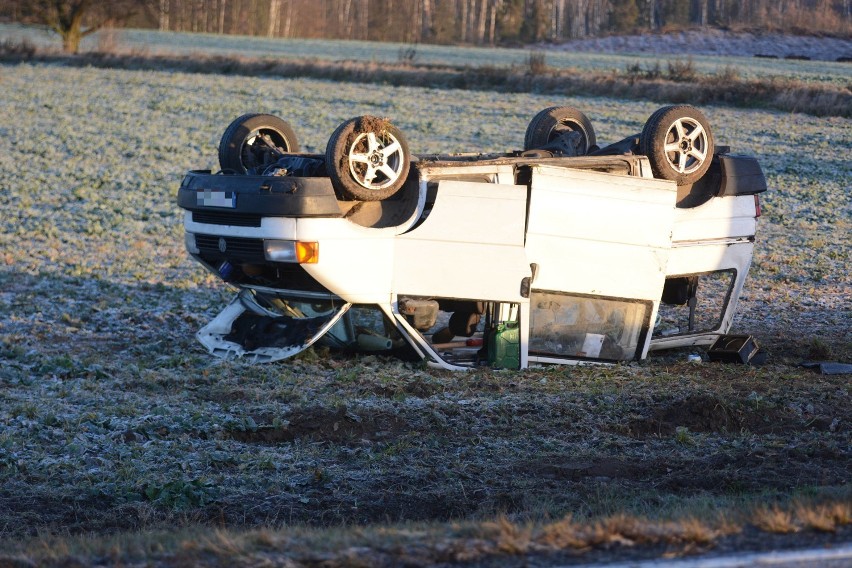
x=166 y=43
x=112 y=417
x=819 y=89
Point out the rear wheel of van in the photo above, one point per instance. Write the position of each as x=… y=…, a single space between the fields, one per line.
x=551 y=123
x=367 y=159
x=253 y=142
x=678 y=142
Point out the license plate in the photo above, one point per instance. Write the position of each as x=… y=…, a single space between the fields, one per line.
x=210 y=198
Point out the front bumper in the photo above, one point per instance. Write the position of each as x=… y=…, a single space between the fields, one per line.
x=242 y=200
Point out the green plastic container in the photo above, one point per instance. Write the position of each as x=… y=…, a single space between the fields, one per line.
x=504 y=346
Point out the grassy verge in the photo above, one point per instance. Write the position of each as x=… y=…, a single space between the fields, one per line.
x=499 y=542
x=679 y=83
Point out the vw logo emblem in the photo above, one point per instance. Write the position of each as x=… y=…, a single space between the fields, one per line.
x=223 y=246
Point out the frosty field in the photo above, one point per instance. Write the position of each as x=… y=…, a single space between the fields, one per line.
x=91 y=160
x=112 y=417
x=172 y=43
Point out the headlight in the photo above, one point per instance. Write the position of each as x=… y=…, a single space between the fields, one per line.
x=291 y=251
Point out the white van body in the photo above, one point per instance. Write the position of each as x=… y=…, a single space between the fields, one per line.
x=533 y=260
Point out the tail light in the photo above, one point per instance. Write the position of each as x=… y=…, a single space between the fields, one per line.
x=756 y=205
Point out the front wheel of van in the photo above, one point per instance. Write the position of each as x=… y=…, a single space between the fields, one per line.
x=367 y=159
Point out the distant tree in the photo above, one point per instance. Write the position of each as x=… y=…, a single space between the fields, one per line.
x=480 y=22
x=699 y=12
x=445 y=22
x=676 y=13
x=624 y=15
x=535 y=23
x=66 y=19
x=509 y=17
x=75 y=19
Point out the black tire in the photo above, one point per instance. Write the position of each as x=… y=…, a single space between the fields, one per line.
x=679 y=143
x=367 y=159
x=551 y=123
x=253 y=142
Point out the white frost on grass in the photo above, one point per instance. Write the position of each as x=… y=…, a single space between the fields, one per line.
x=105 y=393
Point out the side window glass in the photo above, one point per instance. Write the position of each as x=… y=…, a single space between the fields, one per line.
x=582 y=327
x=694 y=303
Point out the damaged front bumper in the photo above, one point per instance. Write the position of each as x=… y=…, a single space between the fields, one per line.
x=265 y=326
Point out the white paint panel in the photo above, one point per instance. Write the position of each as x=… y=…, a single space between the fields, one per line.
x=600 y=234
x=719 y=218
x=355 y=262
x=604 y=215
x=270 y=228
x=598 y=184
x=599 y=268
x=710 y=257
x=470 y=212
x=470 y=246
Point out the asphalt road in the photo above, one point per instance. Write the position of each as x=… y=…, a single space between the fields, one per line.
x=832 y=556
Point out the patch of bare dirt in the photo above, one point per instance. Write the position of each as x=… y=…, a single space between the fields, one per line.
x=337 y=426
x=706 y=413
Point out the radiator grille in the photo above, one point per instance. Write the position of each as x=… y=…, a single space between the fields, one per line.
x=236 y=248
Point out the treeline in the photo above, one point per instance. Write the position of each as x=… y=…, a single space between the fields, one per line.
x=478 y=22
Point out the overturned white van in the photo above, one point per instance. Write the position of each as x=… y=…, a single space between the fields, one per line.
x=563 y=252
